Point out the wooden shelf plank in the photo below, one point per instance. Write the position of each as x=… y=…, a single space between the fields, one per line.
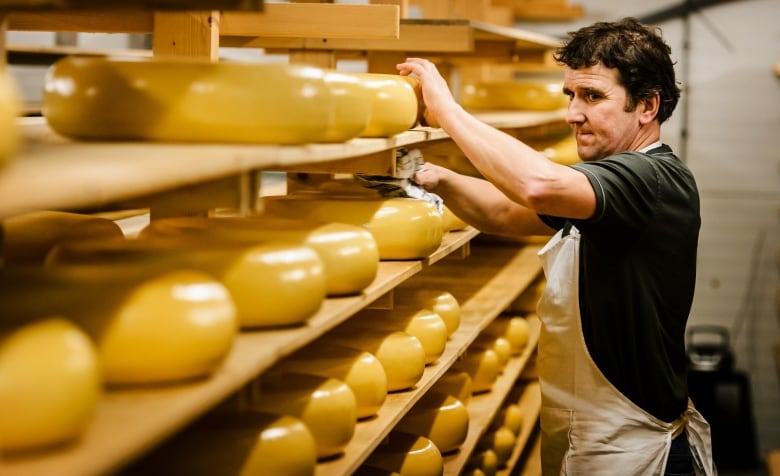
x=478 y=308
x=531 y=404
x=146 y=416
x=51 y=172
x=304 y=20
x=484 y=407
x=59 y=5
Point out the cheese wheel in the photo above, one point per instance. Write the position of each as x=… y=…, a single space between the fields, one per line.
x=149 y=326
x=515 y=329
x=394 y=103
x=272 y=284
x=49 y=384
x=246 y=444
x=9 y=110
x=424 y=324
x=326 y=406
x=499 y=344
x=349 y=252
x=456 y=383
x=564 y=151
x=484 y=462
x=441 y=302
x=404 y=228
x=361 y=370
x=401 y=354
x=440 y=417
x=511 y=417
x=184 y=99
x=406 y=454
x=502 y=442
x=372 y=471
x=526 y=95
x=451 y=222
x=351 y=109
x=482 y=365
x=28 y=238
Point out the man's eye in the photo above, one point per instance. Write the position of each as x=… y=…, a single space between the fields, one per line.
x=593 y=96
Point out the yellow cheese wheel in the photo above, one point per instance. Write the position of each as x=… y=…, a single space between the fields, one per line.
x=272 y=284
x=563 y=151
x=184 y=99
x=527 y=95
x=499 y=344
x=49 y=384
x=514 y=328
x=149 y=326
x=361 y=370
x=404 y=228
x=482 y=462
x=406 y=454
x=401 y=354
x=9 y=110
x=424 y=324
x=372 y=471
x=246 y=444
x=351 y=109
x=349 y=252
x=394 y=103
x=441 y=302
x=511 y=417
x=482 y=365
x=326 y=406
x=456 y=383
x=440 y=417
x=502 y=442
x=28 y=238
x=452 y=222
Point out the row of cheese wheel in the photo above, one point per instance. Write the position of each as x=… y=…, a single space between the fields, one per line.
x=189 y=100
x=331 y=386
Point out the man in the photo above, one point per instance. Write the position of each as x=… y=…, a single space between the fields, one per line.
x=621 y=266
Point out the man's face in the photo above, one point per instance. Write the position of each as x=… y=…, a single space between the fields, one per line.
x=597 y=112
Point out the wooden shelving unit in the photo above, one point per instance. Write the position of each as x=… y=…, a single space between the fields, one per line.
x=51 y=172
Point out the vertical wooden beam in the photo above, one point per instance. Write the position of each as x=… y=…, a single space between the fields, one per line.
x=188 y=34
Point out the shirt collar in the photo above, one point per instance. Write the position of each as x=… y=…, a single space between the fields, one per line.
x=652 y=146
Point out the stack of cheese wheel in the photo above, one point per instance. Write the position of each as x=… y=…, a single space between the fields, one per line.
x=482 y=365
x=404 y=228
x=327 y=406
x=361 y=370
x=530 y=94
x=497 y=343
x=49 y=382
x=424 y=324
x=406 y=454
x=149 y=326
x=9 y=110
x=251 y=443
x=441 y=302
x=510 y=416
x=195 y=100
x=349 y=252
x=401 y=354
x=28 y=238
x=272 y=284
x=440 y=417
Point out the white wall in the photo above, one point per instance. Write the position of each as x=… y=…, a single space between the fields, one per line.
x=733 y=148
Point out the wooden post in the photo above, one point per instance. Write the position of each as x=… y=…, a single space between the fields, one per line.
x=190 y=34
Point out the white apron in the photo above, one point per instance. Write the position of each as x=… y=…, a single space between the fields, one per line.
x=588 y=426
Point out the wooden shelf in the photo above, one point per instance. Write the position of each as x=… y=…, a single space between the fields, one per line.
x=148 y=415
x=484 y=407
x=60 y=5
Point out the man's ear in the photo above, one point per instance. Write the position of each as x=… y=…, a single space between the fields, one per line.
x=648 y=109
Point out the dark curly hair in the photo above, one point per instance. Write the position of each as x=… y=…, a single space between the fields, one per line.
x=637 y=51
